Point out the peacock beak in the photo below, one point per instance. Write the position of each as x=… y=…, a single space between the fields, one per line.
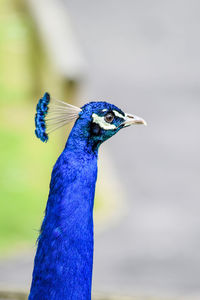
x=132 y=119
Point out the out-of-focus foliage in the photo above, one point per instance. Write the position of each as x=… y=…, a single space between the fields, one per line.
x=25 y=163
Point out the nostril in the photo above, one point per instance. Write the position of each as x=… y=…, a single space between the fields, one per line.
x=130 y=116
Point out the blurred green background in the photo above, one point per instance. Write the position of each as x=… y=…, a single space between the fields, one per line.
x=25 y=163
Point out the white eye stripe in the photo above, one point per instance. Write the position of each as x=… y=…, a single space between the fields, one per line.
x=117 y=114
x=102 y=123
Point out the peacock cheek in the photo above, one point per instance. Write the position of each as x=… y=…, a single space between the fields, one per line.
x=108 y=134
x=95 y=129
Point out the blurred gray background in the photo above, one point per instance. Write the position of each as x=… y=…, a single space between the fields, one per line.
x=144 y=56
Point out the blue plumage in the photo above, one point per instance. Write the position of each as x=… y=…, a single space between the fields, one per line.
x=64 y=257
x=41 y=111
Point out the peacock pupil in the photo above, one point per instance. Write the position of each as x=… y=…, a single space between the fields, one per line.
x=109 y=117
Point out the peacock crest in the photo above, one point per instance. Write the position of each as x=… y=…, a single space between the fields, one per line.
x=52 y=114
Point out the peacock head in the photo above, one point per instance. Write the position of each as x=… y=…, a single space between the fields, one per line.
x=97 y=121
x=102 y=120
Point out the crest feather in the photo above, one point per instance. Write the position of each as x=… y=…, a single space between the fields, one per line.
x=52 y=114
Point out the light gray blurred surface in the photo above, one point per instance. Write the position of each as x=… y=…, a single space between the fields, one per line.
x=144 y=57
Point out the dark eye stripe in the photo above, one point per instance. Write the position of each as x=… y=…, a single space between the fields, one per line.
x=118 y=114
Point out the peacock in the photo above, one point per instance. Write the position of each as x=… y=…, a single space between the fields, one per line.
x=64 y=258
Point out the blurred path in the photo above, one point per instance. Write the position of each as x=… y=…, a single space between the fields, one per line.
x=144 y=57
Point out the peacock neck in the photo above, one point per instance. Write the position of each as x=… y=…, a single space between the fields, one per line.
x=80 y=141
x=64 y=258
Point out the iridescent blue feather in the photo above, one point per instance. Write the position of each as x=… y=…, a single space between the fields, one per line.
x=64 y=257
x=41 y=111
x=52 y=114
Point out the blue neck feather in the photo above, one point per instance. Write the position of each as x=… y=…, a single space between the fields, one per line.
x=64 y=258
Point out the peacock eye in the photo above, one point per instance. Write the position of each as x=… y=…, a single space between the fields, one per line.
x=109 y=117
